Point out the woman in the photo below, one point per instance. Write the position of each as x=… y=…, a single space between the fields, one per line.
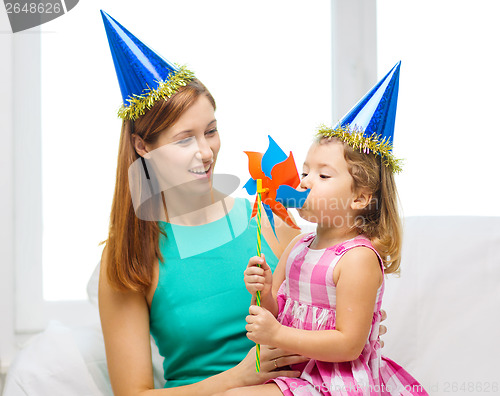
x=178 y=138
x=177 y=248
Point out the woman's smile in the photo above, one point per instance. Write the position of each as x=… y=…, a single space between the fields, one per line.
x=202 y=171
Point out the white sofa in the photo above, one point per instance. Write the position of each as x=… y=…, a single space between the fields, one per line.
x=444 y=320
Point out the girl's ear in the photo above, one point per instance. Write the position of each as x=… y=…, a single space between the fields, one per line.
x=140 y=146
x=362 y=200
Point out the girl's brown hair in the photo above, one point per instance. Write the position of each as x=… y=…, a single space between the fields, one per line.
x=132 y=247
x=380 y=220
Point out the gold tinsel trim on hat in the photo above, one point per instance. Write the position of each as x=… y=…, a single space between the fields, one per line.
x=138 y=104
x=355 y=138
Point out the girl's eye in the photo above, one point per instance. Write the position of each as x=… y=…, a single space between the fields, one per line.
x=303 y=175
x=324 y=176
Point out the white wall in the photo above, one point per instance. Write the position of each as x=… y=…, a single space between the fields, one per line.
x=446 y=128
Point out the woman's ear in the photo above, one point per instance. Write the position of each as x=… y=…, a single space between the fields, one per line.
x=362 y=200
x=140 y=146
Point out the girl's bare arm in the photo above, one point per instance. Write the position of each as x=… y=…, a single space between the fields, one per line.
x=360 y=276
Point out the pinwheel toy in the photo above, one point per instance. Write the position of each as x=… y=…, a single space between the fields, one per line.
x=274 y=178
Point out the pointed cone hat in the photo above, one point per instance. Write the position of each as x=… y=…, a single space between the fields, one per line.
x=144 y=76
x=369 y=125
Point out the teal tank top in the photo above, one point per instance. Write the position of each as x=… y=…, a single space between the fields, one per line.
x=198 y=311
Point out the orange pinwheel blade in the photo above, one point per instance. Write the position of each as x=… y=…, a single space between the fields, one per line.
x=254 y=165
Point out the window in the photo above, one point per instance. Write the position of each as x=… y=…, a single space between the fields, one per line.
x=267 y=64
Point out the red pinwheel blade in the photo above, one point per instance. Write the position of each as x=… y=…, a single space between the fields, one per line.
x=280 y=211
x=285 y=173
x=255 y=208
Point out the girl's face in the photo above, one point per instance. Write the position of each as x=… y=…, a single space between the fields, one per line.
x=185 y=153
x=325 y=172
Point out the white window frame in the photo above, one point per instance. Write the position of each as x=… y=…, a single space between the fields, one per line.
x=7 y=341
x=354 y=52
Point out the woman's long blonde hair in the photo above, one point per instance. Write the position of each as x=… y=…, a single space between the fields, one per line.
x=132 y=247
x=380 y=220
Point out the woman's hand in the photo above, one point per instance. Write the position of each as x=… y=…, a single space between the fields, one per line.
x=262 y=327
x=274 y=363
x=382 y=329
x=258 y=276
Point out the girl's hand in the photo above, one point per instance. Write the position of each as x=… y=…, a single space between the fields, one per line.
x=258 y=278
x=262 y=327
x=274 y=363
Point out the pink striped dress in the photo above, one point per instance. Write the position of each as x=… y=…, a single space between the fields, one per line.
x=307 y=300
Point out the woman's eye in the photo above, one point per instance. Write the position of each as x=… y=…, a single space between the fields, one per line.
x=211 y=132
x=185 y=141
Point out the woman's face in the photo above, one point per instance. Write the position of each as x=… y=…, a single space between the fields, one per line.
x=185 y=153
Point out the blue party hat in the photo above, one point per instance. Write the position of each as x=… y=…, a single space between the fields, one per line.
x=369 y=125
x=144 y=76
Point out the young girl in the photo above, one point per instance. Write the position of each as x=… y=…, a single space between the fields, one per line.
x=325 y=296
